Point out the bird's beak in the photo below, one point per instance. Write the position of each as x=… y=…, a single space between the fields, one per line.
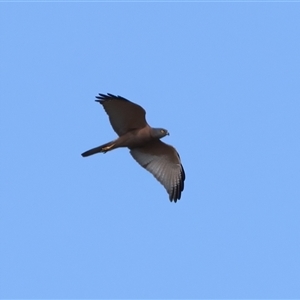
x=168 y=133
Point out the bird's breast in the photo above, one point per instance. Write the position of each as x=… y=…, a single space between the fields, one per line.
x=136 y=138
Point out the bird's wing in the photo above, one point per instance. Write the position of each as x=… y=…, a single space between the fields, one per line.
x=124 y=115
x=164 y=163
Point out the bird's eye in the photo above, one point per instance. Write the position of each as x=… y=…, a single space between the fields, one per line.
x=162 y=131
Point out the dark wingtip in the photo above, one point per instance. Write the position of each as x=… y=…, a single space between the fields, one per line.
x=102 y=97
x=105 y=97
x=177 y=190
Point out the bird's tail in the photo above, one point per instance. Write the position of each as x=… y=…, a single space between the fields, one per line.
x=100 y=149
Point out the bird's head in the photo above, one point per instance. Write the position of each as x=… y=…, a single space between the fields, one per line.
x=159 y=133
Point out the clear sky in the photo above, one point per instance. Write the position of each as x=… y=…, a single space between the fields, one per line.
x=223 y=78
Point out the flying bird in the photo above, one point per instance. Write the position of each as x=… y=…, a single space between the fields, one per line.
x=129 y=121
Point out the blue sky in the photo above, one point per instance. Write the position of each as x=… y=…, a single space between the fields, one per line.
x=223 y=78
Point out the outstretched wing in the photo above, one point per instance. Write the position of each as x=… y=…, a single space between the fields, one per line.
x=164 y=163
x=124 y=115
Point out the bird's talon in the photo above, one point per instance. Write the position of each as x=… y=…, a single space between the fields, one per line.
x=105 y=149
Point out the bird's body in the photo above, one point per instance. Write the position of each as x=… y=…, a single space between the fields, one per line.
x=128 y=121
x=131 y=139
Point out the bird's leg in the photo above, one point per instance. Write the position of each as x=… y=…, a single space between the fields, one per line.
x=107 y=148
